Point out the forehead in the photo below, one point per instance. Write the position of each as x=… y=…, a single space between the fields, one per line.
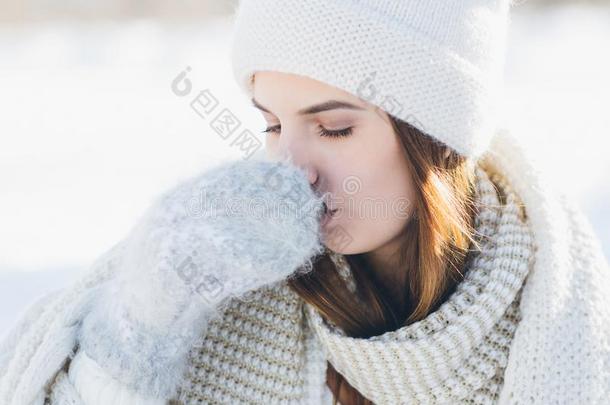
x=271 y=86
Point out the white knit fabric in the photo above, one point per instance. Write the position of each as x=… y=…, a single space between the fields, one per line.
x=560 y=351
x=435 y=64
x=458 y=353
x=475 y=326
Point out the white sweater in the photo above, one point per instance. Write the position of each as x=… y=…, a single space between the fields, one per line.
x=560 y=351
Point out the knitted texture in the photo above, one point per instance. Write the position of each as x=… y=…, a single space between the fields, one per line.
x=256 y=223
x=254 y=353
x=38 y=352
x=458 y=353
x=559 y=352
x=435 y=64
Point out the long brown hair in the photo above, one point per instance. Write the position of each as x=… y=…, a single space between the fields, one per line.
x=435 y=246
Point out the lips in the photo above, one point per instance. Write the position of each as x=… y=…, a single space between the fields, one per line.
x=326 y=209
x=327 y=217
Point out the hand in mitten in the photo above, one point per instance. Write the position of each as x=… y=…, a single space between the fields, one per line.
x=235 y=227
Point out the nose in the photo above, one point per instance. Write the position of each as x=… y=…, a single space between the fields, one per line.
x=294 y=150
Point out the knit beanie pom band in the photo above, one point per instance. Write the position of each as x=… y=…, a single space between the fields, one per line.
x=435 y=64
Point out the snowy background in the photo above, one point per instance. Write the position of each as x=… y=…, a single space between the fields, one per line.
x=90 y=131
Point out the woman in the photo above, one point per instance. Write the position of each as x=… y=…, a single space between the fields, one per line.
x=469 y=279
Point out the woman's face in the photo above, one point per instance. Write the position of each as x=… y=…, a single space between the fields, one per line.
x=350 y=151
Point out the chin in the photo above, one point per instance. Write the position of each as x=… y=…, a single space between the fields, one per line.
x=343 y=243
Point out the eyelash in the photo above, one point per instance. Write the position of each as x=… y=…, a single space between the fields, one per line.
x=340 y=133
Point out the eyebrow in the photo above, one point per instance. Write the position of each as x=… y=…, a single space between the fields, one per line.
x=314 y=109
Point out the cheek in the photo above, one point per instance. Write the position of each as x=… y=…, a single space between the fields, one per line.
x=378 y=197
x=386 y=178
x=375 y=208
x=385 y=209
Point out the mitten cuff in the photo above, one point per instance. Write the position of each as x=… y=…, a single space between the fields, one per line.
x=147 y=360
x=94 y=386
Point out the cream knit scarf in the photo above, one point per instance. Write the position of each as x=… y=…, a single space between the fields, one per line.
x=273 y=348
x=259 y=350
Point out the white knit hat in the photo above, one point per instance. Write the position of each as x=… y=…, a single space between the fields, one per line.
x=436 y=64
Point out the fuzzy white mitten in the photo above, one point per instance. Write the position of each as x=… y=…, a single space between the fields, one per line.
x=233 y=228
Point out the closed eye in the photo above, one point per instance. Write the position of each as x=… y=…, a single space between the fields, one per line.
x=322 y=131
